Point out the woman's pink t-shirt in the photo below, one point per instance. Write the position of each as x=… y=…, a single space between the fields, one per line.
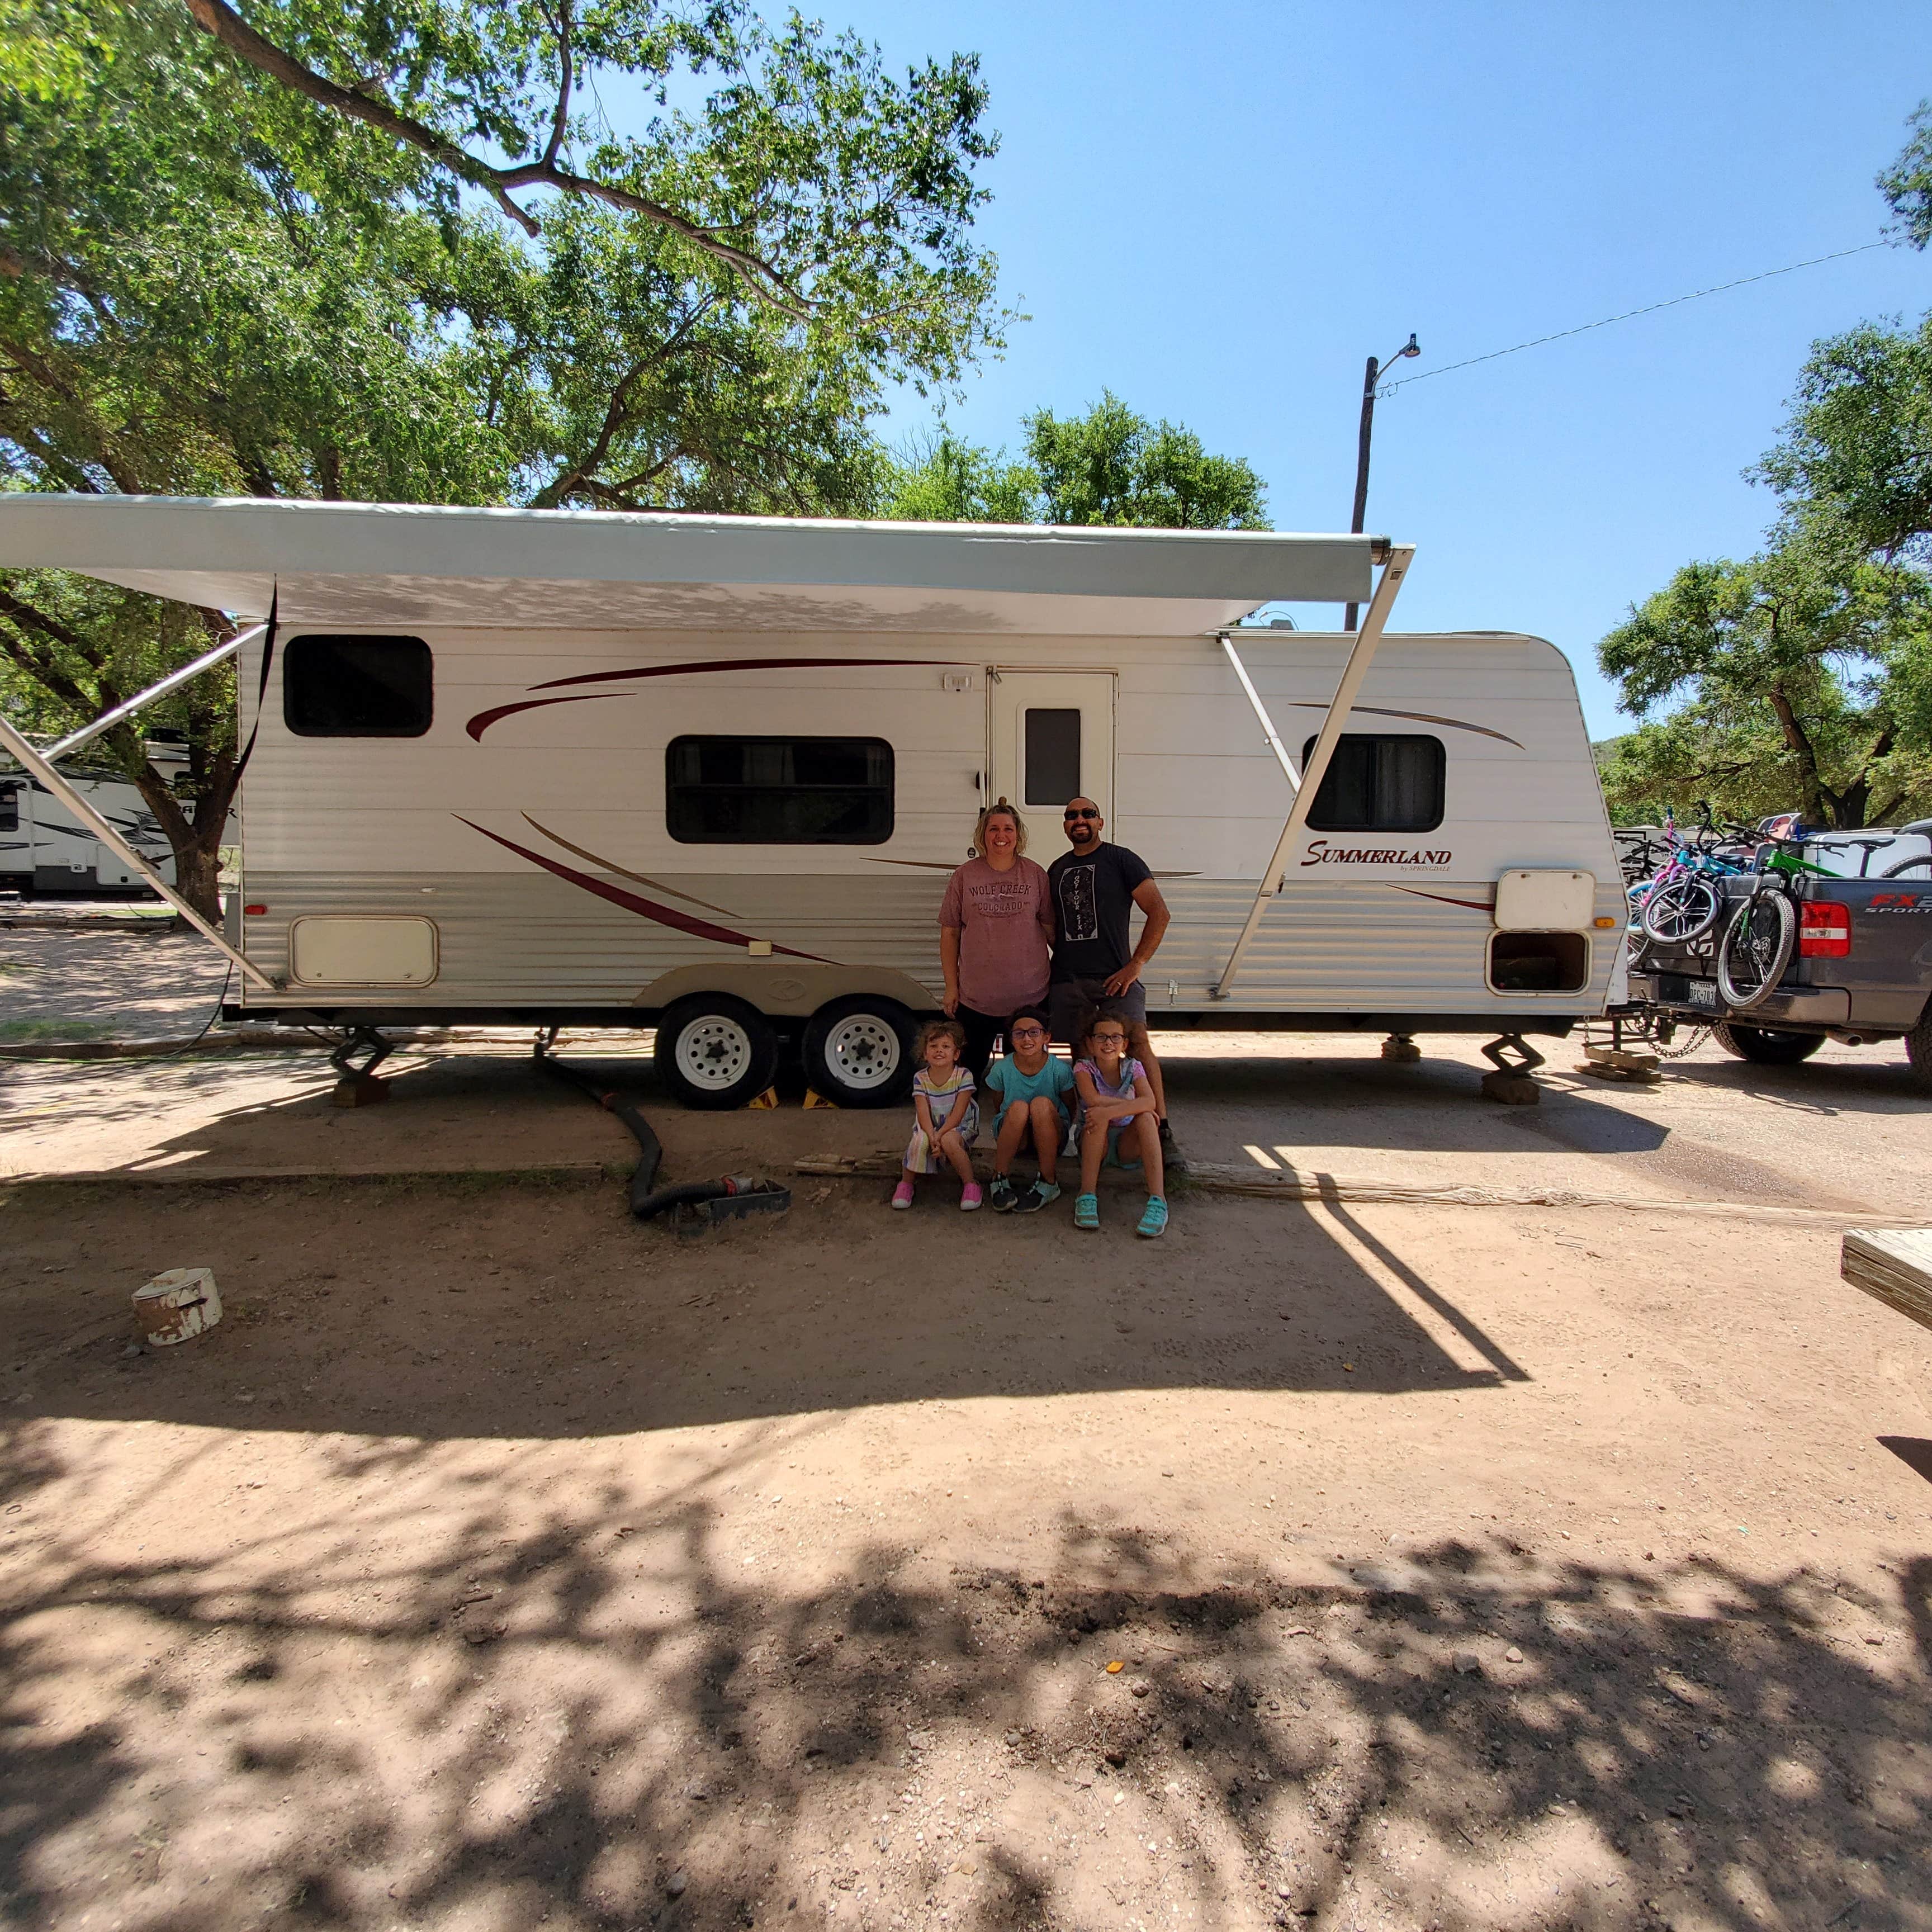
x=1005 y=920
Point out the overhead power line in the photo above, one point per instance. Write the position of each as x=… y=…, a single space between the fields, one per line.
x=1630 y=314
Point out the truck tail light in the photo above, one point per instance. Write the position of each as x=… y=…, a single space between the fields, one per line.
x=1824 y=931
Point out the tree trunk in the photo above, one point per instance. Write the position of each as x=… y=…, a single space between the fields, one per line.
x=195 y=842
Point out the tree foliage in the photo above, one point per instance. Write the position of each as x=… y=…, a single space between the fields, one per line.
x=1803 y=676
x=1792 y=679
x=214 y=282
x=1109 y=465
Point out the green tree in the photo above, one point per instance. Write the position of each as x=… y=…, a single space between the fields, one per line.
x=1787 y=679
x=213 y=281
x=1858 y=446
x=1113 y=466
x=1109 y=466
x=940 y=479
x=1907 y=184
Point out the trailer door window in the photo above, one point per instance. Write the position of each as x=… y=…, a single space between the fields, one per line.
x=1052 y=756
x=1379 y=783
x=357 y=687
x=9 y=808
x=779 y=791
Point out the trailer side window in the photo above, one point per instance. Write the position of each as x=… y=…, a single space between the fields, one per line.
x=1379 y=783
x=357 y=687
x=9 y=807
x=779 y=791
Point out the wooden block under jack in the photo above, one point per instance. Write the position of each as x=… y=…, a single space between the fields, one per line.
x=1400 y=1046
x=1617 y=1062
x=768 y=1099
x=358 y=1090
x=1893 y=1265
x=1512 y=1089
x=813 y=1098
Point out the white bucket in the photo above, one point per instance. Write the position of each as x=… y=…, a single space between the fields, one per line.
x=177 y=1305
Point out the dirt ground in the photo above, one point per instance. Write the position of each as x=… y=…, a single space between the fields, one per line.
x=498 y=1562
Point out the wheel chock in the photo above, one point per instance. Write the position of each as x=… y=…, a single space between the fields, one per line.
x=768 y=1099
x=813 y=1098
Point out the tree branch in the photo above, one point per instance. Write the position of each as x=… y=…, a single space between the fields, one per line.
x=563 y=79
x=762 y=277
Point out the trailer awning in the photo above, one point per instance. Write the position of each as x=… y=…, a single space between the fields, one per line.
x=382 y=565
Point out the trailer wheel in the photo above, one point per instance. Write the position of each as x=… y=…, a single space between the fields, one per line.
x=858 y=1051
x=1766 y=1046
x=715 y=1052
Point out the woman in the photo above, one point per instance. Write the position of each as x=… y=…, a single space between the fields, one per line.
x=994 y=925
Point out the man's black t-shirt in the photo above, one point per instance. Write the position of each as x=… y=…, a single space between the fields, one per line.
x=1091 y=896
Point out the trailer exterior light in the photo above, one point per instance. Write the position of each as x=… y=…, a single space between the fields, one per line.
x=253 y=911
x=1603 y=924
x=1826 y=932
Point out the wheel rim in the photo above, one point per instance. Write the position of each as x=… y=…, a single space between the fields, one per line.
x=1682 y=910
x=862 y=1051
x=713 y=1052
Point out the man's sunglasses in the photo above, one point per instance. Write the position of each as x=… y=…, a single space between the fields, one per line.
x=1081 y=811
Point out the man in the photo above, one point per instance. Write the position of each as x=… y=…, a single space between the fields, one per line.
x=1092 y=887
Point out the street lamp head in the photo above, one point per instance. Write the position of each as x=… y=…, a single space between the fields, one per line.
x=1411 y=347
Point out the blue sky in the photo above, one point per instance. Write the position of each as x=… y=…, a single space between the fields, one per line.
x=1220 y=211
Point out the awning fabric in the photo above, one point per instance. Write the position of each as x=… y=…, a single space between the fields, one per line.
x=382 y=565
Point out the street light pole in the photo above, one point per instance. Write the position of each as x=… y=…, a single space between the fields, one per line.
x=1370 y=377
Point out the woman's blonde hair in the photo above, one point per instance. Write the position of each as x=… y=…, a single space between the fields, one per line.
x=999 y=809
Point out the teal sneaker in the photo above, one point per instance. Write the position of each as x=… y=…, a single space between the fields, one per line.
x=1153 y=1223
x=1037 y=1197
x=1087 y=1210
x=1001 y=1196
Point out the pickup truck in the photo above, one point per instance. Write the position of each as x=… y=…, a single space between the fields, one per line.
x=1861 y=972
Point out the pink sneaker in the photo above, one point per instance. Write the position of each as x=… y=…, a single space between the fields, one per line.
x=902 y=1195
x=969 y=1197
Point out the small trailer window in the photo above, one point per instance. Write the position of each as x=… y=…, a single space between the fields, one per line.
x=9 y=807
x=1379 y=783
x=1052 y=756
x=779 y=791
x=357 y=687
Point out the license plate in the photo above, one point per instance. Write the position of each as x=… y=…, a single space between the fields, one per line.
x=1704 y=993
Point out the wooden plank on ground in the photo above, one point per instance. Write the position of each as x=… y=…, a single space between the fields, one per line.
x=1893 y=1264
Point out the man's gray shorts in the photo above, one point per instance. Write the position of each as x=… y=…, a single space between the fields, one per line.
x=1068 y=1000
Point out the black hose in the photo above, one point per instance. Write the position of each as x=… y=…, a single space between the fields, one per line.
x=615 y=1100
x=648 y=1200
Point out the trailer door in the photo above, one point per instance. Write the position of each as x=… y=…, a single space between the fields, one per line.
x=1053 y=739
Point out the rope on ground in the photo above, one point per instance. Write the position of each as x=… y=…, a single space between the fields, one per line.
x=1217 y=1177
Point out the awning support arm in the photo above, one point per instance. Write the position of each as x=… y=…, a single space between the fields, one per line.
x=36 y=762
x=173 y=681
x=1273 y=736
x=1343 y=702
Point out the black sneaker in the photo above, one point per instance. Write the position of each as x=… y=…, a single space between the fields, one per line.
x=1037 y=1197
x=1001 y=1195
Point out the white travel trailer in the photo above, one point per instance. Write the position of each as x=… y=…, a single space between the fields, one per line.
x=709 y=774
x=46 y=853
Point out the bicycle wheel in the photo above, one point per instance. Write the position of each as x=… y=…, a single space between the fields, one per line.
x=1756 y=949
x=1910 y=868
x=1684 y=909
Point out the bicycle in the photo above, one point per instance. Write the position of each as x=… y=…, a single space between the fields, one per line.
x=1757 y=949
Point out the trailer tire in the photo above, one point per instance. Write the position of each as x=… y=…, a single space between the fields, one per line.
x=858 y=1051
x=1919 y=1049
x=714 y=1052
x=1766 y=1046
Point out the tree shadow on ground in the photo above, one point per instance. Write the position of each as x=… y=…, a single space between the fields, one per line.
x=597 y=1720
x=436 y=1309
